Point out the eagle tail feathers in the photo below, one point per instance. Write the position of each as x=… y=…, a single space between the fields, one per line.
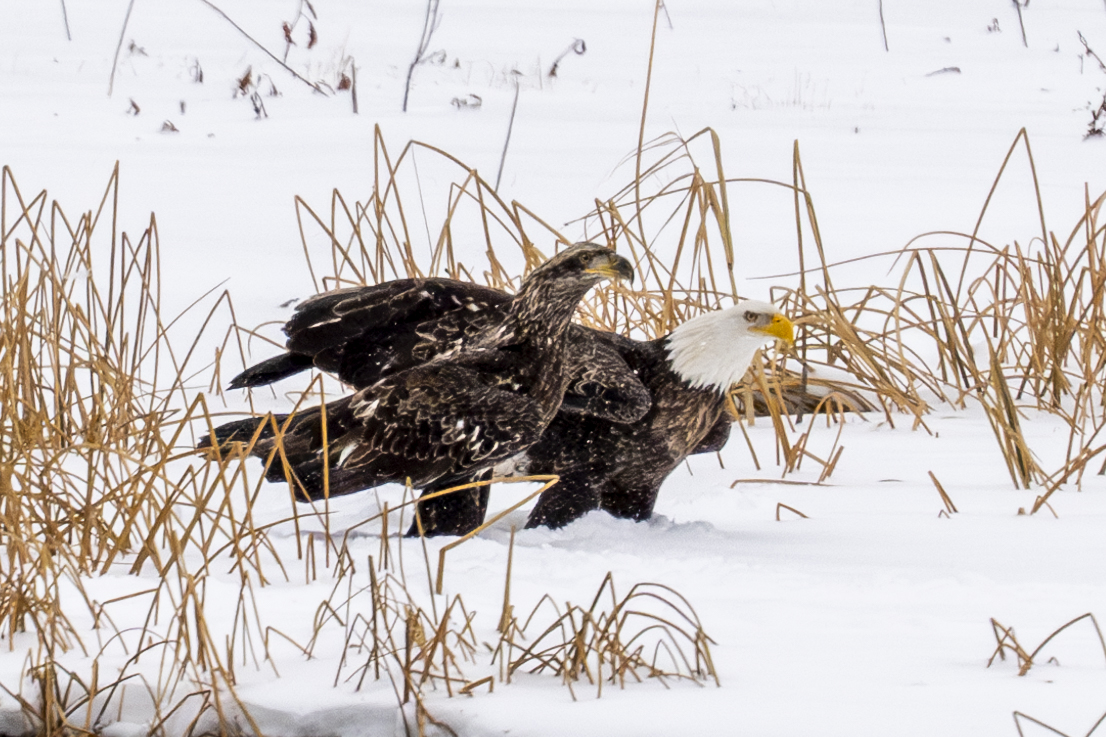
x=271 y=370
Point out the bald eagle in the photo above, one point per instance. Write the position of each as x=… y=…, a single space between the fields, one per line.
x=619 y=467
x=482 y=397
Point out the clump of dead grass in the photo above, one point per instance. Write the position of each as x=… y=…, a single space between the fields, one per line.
x=651 y=632
x=97 y=476
x=1007 y=642
x=96 y=472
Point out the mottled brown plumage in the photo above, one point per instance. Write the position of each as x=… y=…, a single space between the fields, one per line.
x=362 y=334
x=482 y=394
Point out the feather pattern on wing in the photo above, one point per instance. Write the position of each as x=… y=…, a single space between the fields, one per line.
x=363 y=334
x=485 y=397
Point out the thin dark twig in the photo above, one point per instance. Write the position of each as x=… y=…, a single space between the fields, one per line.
x=1094 y=623
x=644 y=114
x=1088 y=52
x=1038 y=722
x=429 y=25
x=1018 y=6
x=353 y=86
x=578 y=47
x=883 y=27
x=256 y=43
x=507 y=141
x=119 y=46
x=65 y=18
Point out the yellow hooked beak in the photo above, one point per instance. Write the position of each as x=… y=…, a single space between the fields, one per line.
x=780 y=328
x=611 y=266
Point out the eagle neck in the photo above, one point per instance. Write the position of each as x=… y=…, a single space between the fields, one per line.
x=544 y=309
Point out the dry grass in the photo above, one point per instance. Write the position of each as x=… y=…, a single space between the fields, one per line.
x=1007 y=328
x=97 y=475
x=1007 y=642
x=1020 y=717
x=92 y=404
x=652 y=632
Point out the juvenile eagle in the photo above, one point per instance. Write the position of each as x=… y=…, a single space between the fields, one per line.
x=362 y=334
x=480 y=396
x=619 y=467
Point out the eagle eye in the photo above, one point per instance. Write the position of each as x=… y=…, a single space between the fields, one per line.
x=750 y=316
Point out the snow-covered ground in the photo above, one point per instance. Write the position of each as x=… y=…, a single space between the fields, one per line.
x=873 y=615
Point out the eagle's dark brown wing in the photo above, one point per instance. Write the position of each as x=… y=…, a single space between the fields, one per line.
x=364 y=334
x=602 y=384
x=431 y=425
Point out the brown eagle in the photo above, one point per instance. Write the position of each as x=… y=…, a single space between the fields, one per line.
x=362 y=334
x=477 y=395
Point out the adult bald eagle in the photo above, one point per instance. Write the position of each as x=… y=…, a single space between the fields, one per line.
x=619 y=467
x=482 y=397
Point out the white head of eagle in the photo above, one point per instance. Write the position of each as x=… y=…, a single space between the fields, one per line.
x=714 y=350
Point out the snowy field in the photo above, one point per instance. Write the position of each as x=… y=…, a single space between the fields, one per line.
x=871 y=616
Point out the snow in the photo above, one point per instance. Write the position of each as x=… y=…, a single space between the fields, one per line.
x=871 y=616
